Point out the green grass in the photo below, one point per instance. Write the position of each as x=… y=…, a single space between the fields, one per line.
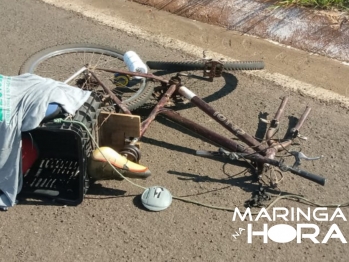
x=342 y=5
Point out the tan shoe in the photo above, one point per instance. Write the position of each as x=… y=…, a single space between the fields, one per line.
x=99 y=169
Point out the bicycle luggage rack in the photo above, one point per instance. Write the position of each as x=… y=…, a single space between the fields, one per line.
x=60 y=172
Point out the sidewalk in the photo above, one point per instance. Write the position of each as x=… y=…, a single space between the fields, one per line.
x=320 y=32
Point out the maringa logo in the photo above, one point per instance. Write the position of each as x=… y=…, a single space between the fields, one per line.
x=284 y=233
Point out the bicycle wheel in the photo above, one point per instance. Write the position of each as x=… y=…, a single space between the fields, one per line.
x=198 y=65
x=61 y=62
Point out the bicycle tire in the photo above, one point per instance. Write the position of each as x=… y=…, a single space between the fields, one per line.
x=200 y=65
x=32 y=64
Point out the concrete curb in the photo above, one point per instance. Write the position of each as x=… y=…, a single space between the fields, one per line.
x=320 y=32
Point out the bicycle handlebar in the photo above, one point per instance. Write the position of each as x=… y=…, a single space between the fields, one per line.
x=305 y=174
x=294 y=170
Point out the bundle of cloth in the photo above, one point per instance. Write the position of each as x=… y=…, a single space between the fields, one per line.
x=24 y=103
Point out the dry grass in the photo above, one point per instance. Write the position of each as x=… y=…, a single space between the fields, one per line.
x=342 y=5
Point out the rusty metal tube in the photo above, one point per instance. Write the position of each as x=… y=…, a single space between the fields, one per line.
x=211 y=136
x=279 y=146
x=303 y=118
x=125 y=72
x=215 y=138
x=275 y=122
x=160 y=105
x=222 y=120
x=110 y=93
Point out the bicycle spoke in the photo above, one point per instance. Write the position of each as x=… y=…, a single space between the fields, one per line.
x=61 y=62
x=106 y=62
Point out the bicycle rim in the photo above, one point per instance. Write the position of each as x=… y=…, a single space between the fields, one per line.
x=199 y=65
x=61 y=62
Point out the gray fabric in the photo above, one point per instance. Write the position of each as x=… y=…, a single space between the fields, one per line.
x=23 y=102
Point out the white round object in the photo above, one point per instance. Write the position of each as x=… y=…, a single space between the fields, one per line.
x=156 y=198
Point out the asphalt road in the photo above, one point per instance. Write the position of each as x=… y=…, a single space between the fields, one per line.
x=111 y=225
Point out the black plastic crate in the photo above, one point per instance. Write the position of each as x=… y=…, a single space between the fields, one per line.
x=60 y=171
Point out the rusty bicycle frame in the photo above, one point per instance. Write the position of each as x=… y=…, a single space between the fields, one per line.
x=263 y=155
